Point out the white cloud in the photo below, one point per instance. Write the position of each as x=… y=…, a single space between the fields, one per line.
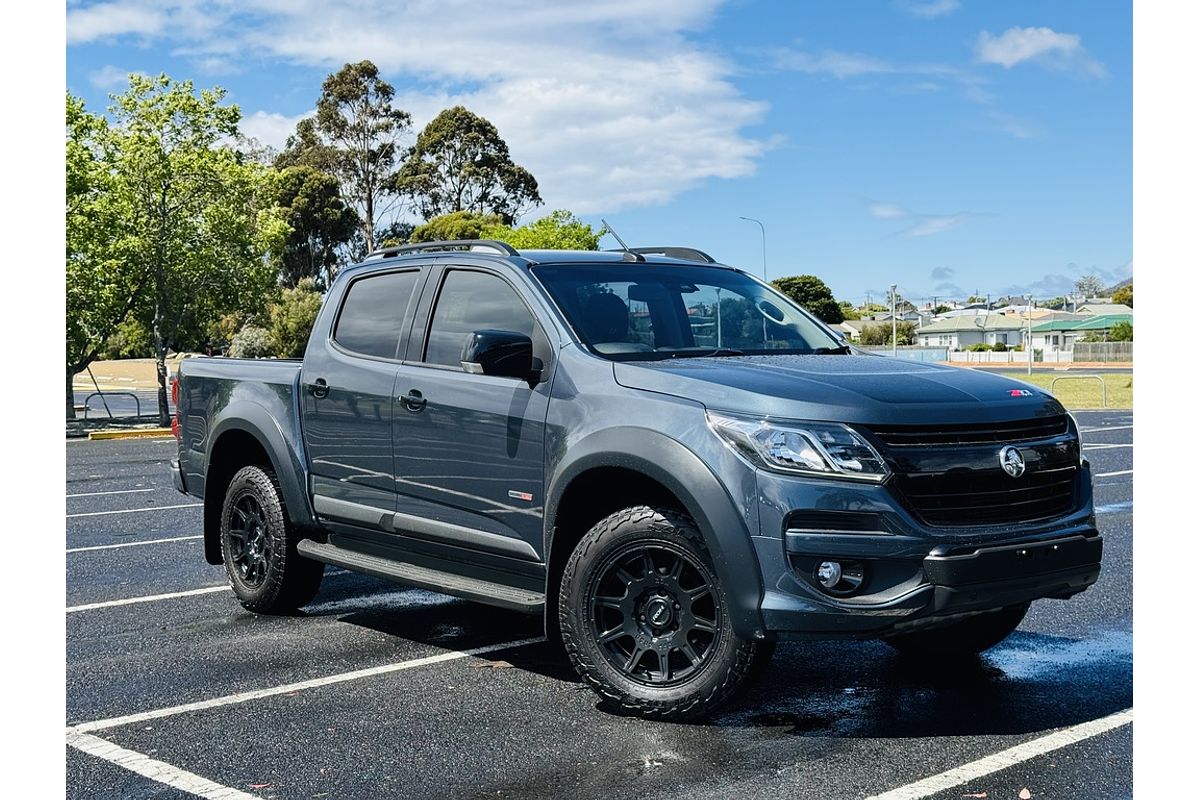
x=931 y=224
x=1042 y=45
x=269 y=128
x=833 y=62
x=887 y=211
x=110 y=78
x=928 y=9
x=610 y=105
x=104 y=20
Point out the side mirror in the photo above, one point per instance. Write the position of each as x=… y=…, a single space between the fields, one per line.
x=506 y=354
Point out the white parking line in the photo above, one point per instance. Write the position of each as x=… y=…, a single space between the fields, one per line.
x=1113 y=474
x=1105 y=446
x=258 y=694
x=1007 y=758
x=133 y=544
x=133 y=510
x=1102 y=428
x=97 y=494
x=128 y=601
x=154 y=770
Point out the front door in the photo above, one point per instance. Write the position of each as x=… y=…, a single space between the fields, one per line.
x=469 y=448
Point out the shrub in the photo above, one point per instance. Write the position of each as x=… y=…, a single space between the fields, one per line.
x=979 y=347
x=1000 y=347
x=1121 y=332
x=130 y=340
x=251 y=342
x=293 y=317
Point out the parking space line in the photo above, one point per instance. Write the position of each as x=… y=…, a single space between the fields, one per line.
x=1113 y=474
x=128 y=601
x=1105 y=446
x=1102 y=428
x=133 y=544
x=122 y=491
x=258 y=694
x=153 y=769
x=133 y=510
x=1007 y=758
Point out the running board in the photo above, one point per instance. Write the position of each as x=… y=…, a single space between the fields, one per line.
x=496 y=594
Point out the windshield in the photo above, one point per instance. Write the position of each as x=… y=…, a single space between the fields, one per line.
x=639 y=311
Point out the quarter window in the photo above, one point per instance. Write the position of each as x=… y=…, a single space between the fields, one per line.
x=469 y=302
x=372 y=313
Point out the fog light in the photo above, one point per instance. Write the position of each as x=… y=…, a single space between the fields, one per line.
x=829 y=574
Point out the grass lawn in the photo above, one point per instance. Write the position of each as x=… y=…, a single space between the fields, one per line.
x=1086 y=393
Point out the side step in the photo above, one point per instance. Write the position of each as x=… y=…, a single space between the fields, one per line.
x=496 y=594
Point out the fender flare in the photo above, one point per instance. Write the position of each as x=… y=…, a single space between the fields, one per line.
x=700 y=492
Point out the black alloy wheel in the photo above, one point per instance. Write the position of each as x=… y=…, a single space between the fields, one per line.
x=655 y=613
x=249 y=543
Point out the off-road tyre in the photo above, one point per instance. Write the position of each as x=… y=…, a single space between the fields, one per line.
x=614 y=547
x=259 y=548
x=968 y=637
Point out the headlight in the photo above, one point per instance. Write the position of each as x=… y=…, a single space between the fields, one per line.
x=805 y=448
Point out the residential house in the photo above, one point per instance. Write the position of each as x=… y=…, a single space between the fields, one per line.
x=1062 y=334
x=959 y=333
x=1105 y=309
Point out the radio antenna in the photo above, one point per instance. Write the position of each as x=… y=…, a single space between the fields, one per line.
x=629 y=254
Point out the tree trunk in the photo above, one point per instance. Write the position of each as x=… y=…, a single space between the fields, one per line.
x=160 y=353
x=70 y=394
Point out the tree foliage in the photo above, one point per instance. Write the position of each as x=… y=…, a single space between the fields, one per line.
x=293 y=317
x=1089 y=286
x=455 y=226
x=103 y=281
x=198 y=224
x=1124 y=295
x=811 y=293
x=558 y=230
x=354 y=136
x=1121 y=332
x=460 y=163
x=320 y=222
x=906 y=333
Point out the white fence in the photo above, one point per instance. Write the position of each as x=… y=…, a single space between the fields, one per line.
x=1011 y=357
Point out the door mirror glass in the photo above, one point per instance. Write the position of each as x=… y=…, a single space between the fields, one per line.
x=506 y=354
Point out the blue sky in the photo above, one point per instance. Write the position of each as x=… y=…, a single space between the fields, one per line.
x=947 y=146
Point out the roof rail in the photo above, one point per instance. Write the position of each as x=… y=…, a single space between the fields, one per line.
x=685 y=253
x=501 y=248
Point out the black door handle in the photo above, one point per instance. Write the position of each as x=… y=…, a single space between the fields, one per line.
x=318 y=388
x=414 y=401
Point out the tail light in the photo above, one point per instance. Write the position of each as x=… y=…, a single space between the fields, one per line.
x=175 y=400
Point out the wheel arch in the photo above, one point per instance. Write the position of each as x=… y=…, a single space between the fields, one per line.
x=634 y=466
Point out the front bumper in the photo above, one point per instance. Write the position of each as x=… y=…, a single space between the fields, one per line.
x=915 y=576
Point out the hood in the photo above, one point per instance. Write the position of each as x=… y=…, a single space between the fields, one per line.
x=841 y=388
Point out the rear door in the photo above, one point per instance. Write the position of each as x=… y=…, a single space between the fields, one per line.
x=470 y=448
x=347 y=384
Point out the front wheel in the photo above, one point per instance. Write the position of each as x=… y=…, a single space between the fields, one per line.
x=264 y=569
x=645 y=621
x=967 y=637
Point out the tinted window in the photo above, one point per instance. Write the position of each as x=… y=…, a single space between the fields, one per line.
x=373 y=312
x=468 y=302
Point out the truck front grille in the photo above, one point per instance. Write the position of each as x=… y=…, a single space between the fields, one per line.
x=998 y=432
x=986 y=497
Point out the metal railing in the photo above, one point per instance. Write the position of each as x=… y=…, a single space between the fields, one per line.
x=136 y=401
x=1103 y=385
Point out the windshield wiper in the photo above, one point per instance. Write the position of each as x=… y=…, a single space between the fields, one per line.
x=843 y=350
x=715 y=353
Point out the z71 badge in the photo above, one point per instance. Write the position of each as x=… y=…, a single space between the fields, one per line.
x=1020 y=393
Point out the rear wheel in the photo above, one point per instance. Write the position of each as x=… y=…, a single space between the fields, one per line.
x=968 y=637
x=264 y=569
x=645 y=620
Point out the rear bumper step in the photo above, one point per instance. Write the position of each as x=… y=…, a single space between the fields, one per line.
x=495 y=594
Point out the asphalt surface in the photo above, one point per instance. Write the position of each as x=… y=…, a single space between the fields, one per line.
x=827 y=720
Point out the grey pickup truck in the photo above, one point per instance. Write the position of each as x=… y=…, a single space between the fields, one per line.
x=669 y=461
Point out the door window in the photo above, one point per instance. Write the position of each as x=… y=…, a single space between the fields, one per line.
x=372 y=313
x=473 y=301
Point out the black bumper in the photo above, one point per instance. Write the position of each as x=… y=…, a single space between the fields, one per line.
x=946 y=583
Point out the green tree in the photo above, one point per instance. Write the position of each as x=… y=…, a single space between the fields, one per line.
x=455 y=226
x=881 y=333
x=103 y=283
x=941 y=309
x=1124 y=295
x=354 y=136
x=1121 y=332
x=558 y=230
x=293 y=317
x=460 y=163
x=321 y=223
x=848 y=310
x=198 y=224
x=810 y=292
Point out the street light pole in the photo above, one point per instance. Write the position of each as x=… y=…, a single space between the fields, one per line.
x=763 y=229
x=1029 y=328
x=892 y=292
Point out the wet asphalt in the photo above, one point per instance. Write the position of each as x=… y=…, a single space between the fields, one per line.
x=827 y=720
